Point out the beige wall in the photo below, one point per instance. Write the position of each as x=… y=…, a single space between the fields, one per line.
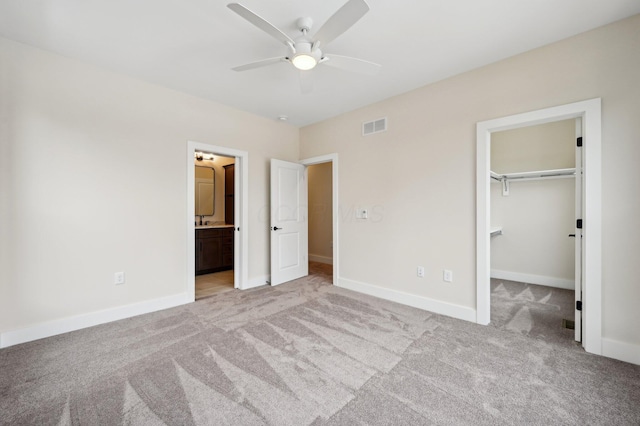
x=536 y=219
x=538 y=215
x=543 y=147
x=420 y=174
x=320 y=209
x=93 y=181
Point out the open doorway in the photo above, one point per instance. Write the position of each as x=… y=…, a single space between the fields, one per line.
x=290 y=229
x=534 y=179
x=214 y=223
x=589 y=308
x=218 y=242
x=320 y=201
x=326 y=238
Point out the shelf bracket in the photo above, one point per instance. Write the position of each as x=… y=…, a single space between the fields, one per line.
x=505 y=186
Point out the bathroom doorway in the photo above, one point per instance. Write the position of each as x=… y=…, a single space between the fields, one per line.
x=217 y=249
x=214 y=223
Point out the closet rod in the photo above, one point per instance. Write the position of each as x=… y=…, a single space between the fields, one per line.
x=495 y=176
x=542 y=174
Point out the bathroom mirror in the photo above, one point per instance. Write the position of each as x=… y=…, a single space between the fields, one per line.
x=205 y=187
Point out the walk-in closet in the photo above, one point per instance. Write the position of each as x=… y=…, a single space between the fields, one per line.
x=533 y=219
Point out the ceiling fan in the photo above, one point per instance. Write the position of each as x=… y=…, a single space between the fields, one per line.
x=305 y=52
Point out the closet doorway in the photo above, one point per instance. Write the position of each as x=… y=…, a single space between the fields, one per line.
x=535 y=182
x=590 y=306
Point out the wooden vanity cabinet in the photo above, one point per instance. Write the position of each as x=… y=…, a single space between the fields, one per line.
x=214 y=250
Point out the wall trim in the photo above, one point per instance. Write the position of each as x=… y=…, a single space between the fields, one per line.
x=321 y=259
x=78 y=322
x=534 y=279
x=420 y=302
x=627 y=352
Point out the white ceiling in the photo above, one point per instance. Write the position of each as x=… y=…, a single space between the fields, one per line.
x=191 y=45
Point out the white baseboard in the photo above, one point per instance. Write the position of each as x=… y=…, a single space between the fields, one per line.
x=420 y=302
x=622 y=351
x=65 y=325
x=321 y=259
x=257 y=282
x=533 y=279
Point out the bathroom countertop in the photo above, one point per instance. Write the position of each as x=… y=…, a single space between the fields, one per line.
x=213 y=226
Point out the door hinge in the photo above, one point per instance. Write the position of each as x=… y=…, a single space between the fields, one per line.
x=579 y=141
x=579 y=223
x=578 y=305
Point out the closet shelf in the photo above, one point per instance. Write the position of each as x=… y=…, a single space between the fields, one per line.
x=536 y=175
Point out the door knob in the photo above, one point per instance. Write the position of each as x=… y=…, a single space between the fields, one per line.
x=275 y=228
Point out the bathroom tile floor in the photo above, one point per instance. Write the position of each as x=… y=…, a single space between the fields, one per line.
x=210 y=284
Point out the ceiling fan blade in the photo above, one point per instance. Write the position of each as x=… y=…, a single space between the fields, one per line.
x=341 y=21
x=348 y=63
x=306 y=82
x=258 y=64
x=261 y=23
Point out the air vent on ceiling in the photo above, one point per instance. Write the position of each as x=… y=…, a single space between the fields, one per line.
x=375 y=126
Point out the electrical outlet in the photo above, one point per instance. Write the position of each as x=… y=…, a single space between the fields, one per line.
x=447 y=275
x=118 y=278
x=420 y=271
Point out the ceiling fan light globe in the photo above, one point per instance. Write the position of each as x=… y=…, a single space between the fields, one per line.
x=304 y=62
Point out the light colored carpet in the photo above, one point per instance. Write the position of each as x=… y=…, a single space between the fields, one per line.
x=532 y=310
x=304 y=353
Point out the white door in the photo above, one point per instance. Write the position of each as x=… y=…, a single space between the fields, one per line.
x=289 y=222
x=578 y=233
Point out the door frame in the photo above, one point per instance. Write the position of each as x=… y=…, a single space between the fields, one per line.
x=590 y=112
x=241 y=214
x=578 y=209
x=333 y=159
